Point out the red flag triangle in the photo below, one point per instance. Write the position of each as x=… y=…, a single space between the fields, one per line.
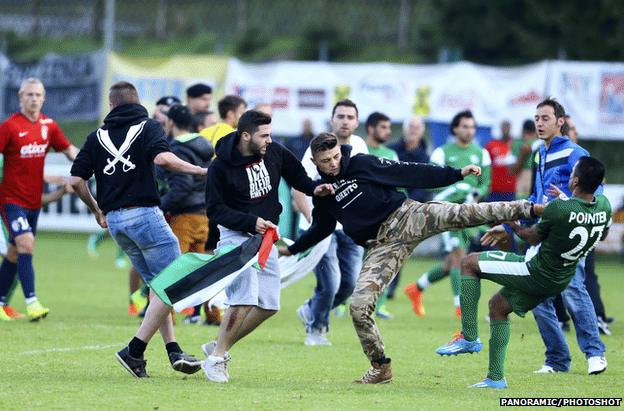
x=270 y=237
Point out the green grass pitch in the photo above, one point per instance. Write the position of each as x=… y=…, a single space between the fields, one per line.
x=66 y=361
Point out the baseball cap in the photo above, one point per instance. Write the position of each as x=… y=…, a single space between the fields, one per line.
x=168 y=101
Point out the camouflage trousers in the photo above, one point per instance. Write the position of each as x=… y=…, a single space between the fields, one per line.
x=397 y=238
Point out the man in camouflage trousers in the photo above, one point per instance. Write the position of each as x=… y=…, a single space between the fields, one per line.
x=375 y=215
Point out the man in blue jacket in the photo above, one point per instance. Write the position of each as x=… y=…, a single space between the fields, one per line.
x=375 y=215
x=555 y=160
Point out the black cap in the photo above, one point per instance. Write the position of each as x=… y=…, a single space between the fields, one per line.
x=181 y=116
x=168 y=101
x=197 y=90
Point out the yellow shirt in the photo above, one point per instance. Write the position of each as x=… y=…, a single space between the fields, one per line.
x=216 y=132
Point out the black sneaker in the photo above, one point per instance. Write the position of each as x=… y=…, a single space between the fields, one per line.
x=603 y=327
x=182 y=362
x=135 y=366
x=565 y=326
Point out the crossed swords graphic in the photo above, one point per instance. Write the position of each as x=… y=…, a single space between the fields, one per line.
x=118 y=154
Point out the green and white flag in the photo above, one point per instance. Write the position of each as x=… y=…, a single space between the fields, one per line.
x=294 y=267
x=193 y=278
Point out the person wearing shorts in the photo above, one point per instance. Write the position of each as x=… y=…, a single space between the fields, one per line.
x=459 y=153
x=25 y=139
x=568 y=231
x=242 y=199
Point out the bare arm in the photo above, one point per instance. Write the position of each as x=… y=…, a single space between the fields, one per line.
x=80 y=187
x=528 y=234
x=300 y=204
x=173 y=163
x=47 y=198
x=516 y=168
x=71 y=152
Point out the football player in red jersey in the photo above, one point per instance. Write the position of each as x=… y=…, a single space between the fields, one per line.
x=25 y=138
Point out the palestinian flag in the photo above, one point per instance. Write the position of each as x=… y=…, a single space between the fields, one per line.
x=193 y=278
x=294 y=267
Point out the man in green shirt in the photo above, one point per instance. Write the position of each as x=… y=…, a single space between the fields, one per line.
x=522 y=150
x=378 y=132
x=568 y=231
x=460 y=153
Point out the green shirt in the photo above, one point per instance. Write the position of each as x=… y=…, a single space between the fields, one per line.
x=569 y=230
x=516 y=145
x=383 y=152
x=388 y=153
x=453 y=155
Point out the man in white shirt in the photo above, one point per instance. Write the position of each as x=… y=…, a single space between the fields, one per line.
x=337 y=271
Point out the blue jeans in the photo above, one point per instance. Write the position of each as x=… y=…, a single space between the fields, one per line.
x=336 y=274
x=144 y=235
x=581 y=310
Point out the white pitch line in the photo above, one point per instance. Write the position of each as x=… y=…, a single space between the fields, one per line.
x=69 y=349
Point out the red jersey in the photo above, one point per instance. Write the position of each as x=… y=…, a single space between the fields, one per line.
x=502 y=181
x=25 y=145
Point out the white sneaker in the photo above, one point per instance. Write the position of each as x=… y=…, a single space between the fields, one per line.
x=546 y=369
x=316 y=337
x=208 y=348
x=304 y=314
x=215 y=368
x=596 y=365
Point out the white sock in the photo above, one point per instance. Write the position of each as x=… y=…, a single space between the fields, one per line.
x=423 y=281
x=30 y=300
x=456 y=301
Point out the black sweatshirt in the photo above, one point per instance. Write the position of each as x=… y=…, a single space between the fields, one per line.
x=366 y=195
x=187 y=193
x=241 y=189
x=123 y=163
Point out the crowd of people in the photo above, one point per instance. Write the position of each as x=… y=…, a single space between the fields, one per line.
x=182 y=180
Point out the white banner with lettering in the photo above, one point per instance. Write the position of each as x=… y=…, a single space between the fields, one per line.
x=69 y=214
x=592 y=92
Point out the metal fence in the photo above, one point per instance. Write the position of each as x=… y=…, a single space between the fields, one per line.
x=349 y=23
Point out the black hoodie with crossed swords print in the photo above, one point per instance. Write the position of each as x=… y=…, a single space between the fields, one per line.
x=121 y=155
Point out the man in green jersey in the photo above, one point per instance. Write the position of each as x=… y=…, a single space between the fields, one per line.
x=458 y=154
x=522 y=151
x=378 y=132
x=569 y=230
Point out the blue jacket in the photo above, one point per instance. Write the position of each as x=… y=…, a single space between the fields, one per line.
x=554 y=166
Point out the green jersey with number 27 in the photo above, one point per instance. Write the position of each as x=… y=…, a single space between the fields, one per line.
x=569 y=230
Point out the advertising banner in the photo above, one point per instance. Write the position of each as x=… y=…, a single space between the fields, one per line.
x=593 y=94
x=73 y=84
x=170 y=76
x=300 y=90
